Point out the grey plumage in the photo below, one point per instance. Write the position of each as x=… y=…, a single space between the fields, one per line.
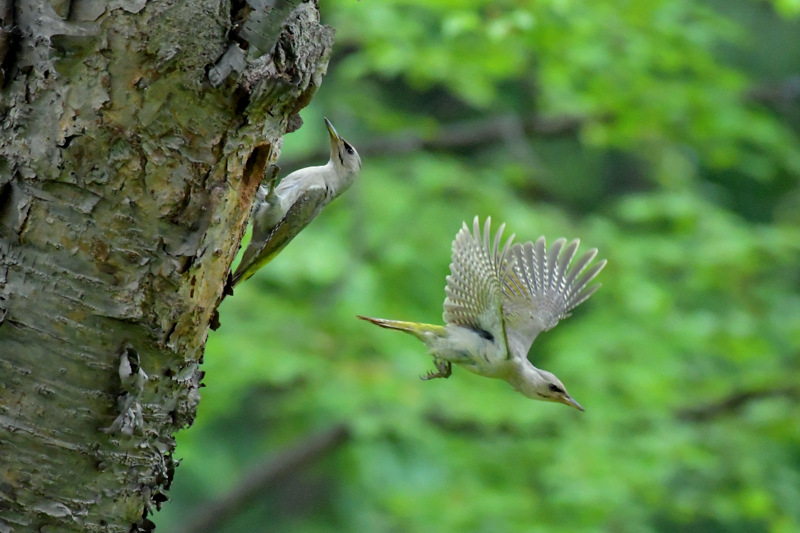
x=282 y=211
x=544 y=289
x=499 y=297
x=474 y=287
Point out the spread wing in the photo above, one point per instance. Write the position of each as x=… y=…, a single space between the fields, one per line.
x=268 y=240
x=475 y=285
x=543 y=288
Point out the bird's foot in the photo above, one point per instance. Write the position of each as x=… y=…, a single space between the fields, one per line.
x=443 y=370
x=270 y=177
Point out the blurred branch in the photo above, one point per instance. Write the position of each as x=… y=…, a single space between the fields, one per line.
x=460 y=135
x=784 y=92
x=265 y=476
x=472 y=428
x=732 y=403
x=502 y=128
x=475 y=429
x=474 y=133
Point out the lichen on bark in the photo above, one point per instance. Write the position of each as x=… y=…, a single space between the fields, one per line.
x=126 y=180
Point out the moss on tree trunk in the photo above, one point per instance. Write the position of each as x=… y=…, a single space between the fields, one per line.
x=133 y=136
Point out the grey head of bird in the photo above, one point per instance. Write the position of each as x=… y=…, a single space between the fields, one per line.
x=541 y=385
x=344 y=158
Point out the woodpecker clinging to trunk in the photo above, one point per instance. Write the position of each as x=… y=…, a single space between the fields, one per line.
x=282 y=211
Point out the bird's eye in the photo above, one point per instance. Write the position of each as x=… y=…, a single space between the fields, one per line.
x=555 y=388
x=348 y=148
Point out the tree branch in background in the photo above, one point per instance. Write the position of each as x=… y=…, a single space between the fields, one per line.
x=461 y=135
x=488 y=130
x=266 y=476
x=733 y=402
x=782 y=93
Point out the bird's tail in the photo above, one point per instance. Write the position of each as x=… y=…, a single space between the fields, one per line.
x=259 y=253
x=421 y=331
x=250 y=265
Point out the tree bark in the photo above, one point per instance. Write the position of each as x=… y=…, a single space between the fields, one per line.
x=133 y=136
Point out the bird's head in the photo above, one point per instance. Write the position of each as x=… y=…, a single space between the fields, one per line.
x=343 y=155
x=543 y=385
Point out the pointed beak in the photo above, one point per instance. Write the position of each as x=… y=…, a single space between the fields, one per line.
x=567 y=400
x=332 y=131
x=336 y=141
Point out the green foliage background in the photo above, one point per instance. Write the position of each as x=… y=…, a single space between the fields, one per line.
x=664 y=133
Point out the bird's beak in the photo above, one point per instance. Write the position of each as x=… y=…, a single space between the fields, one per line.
x=335 y=139
x=567 y=400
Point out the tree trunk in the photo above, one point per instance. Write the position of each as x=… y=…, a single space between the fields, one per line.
x=134 y=134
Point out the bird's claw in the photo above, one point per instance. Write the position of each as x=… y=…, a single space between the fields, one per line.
x=443 y=370
x=270 y=177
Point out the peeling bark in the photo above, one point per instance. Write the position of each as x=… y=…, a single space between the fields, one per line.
x=132 y=141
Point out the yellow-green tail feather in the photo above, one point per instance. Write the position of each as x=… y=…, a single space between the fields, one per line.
x=420 y=331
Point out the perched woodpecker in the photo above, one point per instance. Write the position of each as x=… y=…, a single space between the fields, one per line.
x=498 y=299
x=282 y=211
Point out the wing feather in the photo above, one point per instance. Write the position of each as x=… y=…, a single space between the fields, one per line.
x=267 y=241
x=474 y=289
x=542 y=288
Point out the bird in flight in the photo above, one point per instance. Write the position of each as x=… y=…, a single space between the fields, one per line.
x=499 y=297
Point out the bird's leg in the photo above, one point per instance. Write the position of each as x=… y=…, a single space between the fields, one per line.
x=270 y=177
x=266 y=191
x=443 y=370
